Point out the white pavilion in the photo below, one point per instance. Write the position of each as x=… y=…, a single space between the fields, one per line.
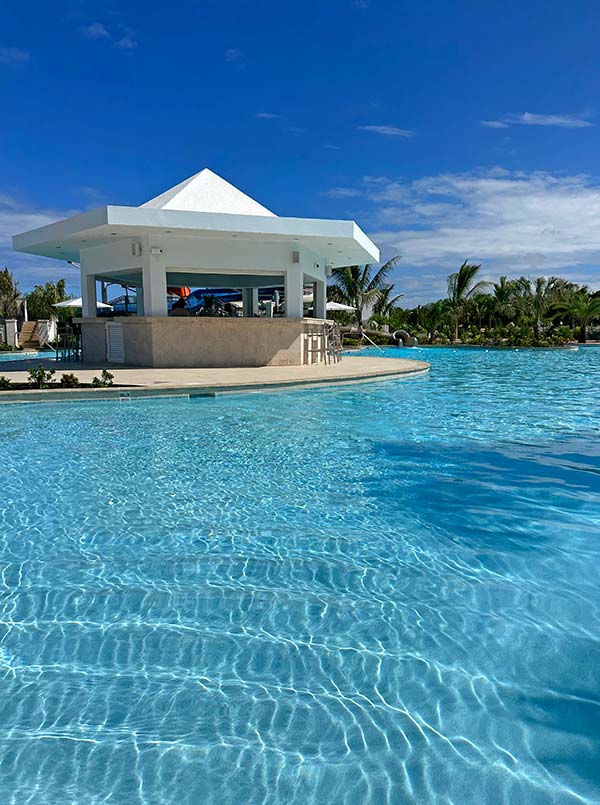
x=202 y=233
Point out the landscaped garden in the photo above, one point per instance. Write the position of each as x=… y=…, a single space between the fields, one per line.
x=521 y=312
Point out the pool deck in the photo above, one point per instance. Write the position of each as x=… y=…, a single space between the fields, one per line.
x=141 y=382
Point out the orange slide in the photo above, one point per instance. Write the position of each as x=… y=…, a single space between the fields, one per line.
x=181 y=292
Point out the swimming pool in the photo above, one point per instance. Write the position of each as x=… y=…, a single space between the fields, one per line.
x=25 y=356
x=375 y=593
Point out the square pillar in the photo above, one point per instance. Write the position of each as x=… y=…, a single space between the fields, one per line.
x=139 y=300
x=88 y=296
x=320 y=299
x=250 y=301
x=294 y=292
x=154 y=281
x=12 y=336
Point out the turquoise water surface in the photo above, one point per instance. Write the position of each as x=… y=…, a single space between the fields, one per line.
x=24 y=356
x=379 y=593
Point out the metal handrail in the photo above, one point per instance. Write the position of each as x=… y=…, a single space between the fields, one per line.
x=364 y=335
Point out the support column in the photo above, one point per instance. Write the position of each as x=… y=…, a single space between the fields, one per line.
x=154 y=281
x=320 y=299
x=294 y=292
x=103 y=292
x=88 y=296
x=139 y=300
x=12 y=336
x=249 y=302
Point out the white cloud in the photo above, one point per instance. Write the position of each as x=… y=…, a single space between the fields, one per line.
x=343 y=192
x=95 y=31
x=267 y=116
x=531 y=119
x=14 y=57
x=512 y=222
x=29 y=269
x=99 y=32
x=494 y=124
x=562 y=121
x=233 y=55
x=126 y=42
x=388 y=131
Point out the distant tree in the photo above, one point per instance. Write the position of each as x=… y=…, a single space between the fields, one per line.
x=387 y=301
x=583 y=308
x=515 y=312
x=362 y=287
x=9 y=293
x=40 y=301
x=461 y=287
x=480 y=309
x=433 y=316
x=537 y=297
x=504 y=299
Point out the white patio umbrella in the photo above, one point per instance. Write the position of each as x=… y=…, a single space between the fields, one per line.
x=79 y=303
x=338 y=306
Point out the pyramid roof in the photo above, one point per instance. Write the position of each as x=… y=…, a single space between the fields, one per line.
x=207 y=192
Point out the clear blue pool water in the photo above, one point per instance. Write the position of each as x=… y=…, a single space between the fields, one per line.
x=24 y=356
x=383 y=593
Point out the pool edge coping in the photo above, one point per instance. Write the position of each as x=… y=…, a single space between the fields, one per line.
x=198 y=390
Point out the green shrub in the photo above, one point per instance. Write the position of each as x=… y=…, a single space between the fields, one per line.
x=379 y=338
x=105 y=379
x=564 y=334
x=5 y=383
x=69 y=381
x=40 y=377
x=352 y=339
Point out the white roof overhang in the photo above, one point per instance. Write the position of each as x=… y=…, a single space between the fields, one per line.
x=339 y=243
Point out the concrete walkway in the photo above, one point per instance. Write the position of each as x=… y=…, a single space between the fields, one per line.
x=139 y=382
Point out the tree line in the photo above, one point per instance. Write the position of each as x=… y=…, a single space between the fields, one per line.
x=40 y=300
x=541 y=311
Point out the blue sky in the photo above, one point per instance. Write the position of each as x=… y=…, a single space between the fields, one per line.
x=449 y=131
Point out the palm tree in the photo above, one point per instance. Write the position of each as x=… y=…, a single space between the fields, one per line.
x=363 y=286
x=461 y=288
x=386 y=302
x=479 y=309
x=433 y=316
x=583 y=308
x=504 y=293
x=545 y=292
